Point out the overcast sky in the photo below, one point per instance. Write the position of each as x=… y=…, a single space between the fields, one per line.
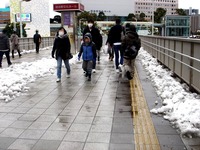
x=185 y=4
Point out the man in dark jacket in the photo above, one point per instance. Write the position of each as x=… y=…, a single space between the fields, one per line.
x=4 y=48
x=37 y=40
x=96 y=38
x=115 y=35
x=130 y=46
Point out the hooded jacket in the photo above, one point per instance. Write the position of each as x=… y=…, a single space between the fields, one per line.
x=131 y=39
x=88 y=49
x=4 y=42
x=61 y=46
x=96 y=36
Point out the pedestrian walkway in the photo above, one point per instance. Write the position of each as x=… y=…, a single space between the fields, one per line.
x=77 y=114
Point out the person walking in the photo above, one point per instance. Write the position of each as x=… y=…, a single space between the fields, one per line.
x=61 y=51
x=37 y=40
x=116 y=34
x=110 y=49
x=15 y=44
x=4 y=48
x=96 y=38
x=88 y=49
x=130 y=46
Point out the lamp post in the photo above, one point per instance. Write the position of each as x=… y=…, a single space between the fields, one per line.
x=20 y=15
x=152 y=17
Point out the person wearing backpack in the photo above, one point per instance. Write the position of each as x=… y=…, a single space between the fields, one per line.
x=130 y=46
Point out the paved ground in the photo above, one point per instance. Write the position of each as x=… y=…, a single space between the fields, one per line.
x=77 y=114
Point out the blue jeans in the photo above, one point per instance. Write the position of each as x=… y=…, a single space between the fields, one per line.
x=59 y=66
x=117 y=49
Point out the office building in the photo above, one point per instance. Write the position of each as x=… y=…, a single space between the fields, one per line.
x=5 y=15
x=148 y=6
x=118 y=8
x=191 y=11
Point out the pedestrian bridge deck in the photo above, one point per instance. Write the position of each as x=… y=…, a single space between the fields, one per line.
x=108 y=113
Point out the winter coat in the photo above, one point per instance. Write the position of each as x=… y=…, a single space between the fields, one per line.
x=61 y=47
x=96 y=36
x=37 y=38
x=131 y=39
x=14 y=42
x=4 y=42
x=88 y=50
x=115 y=34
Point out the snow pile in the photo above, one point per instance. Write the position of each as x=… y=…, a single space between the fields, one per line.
x=179 y=106
x=13 y=80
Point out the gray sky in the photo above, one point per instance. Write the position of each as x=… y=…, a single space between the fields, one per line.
x=185 y=4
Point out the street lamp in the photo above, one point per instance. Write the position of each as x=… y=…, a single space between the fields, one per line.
x=152 y=17
x=20 y=15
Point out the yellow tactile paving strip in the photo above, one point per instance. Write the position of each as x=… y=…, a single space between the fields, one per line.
x=144 y=132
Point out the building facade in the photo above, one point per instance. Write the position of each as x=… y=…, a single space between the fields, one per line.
x=148 y=6
x=39 y=10
x=195 y=23
x=119 y=8
x=191 y=11
x=5 y=15
x=178 y=26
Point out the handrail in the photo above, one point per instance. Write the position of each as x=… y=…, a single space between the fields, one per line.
x=180 y=55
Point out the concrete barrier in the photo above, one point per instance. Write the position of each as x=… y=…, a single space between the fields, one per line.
x=28 y=44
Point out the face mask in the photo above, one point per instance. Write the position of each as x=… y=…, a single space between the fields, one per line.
x=61 y=33
x=90 y=25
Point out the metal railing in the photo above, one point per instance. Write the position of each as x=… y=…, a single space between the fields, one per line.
x=180 y=55
x=28 y=44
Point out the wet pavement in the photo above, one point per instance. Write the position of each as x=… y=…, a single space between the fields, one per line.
x=77 y=114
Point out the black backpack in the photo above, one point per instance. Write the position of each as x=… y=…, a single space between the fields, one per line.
x=130 y=52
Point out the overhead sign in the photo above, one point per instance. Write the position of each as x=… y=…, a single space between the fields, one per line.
x=68 y=7
x=25 y=17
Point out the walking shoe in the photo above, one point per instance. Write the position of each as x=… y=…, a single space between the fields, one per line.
x=20 y=55
x=120 y=68
x=9 y=64
x=89 y=79
x=68 y=76
x=13 y=56
x=128 y=74
x=93 y=71
x=86 y=74
x=58 y=80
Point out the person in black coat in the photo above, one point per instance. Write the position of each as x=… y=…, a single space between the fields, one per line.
x=115 y=35
x=131 y=40
x=96 y=38
x=61 y=51
x=4 y=48
x=37 y=40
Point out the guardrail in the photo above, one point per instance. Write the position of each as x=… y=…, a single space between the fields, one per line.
x=28 y=44
x=182 y=56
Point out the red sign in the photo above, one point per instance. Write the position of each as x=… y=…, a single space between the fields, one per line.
x=68 y=7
